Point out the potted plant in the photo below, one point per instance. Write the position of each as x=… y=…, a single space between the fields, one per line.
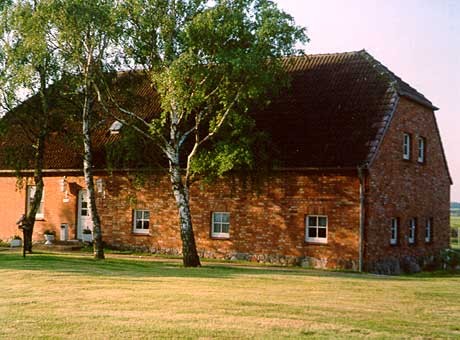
x=16 y=241
x=87 y=235
x=49 y=236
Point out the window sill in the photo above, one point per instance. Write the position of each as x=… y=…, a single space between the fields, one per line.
x=220 y=238
x=140 y=234
x=40 y=219
x=316 y=243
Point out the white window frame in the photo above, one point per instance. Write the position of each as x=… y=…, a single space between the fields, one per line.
x=421 y=149
x=30 y=196
x=316 y=239
x=406 y=146
x=394 y=231
x=412 y=230
x=428 y=230
x=143 y=220
x=218 y=224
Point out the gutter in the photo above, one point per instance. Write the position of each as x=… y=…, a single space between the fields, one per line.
x=361 y=217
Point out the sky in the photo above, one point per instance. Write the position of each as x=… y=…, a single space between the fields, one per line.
x=419 y=40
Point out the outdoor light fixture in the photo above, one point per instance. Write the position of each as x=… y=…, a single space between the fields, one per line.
x=100 y=185
x=63 y=183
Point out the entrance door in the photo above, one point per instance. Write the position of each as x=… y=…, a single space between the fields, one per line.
x=84 y=213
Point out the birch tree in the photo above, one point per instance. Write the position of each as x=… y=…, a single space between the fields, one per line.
x=28 y=65
x=85 y=34
x=209 y=62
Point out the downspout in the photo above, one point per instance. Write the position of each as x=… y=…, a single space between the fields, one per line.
x=361 y=217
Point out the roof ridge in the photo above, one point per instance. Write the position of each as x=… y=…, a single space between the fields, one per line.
x=402 y=88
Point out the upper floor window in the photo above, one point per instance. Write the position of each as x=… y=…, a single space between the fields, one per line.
x=394 y=231
x=31 y=189
x=220 y=225
x=421 y=149
x=141 y=221
x=406 y=146
x=428 y=230
x=412 y=227
x=316 y=229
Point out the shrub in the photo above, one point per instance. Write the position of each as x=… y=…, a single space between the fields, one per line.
x=49 y=232
x=450 y=258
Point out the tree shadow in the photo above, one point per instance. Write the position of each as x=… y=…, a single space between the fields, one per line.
x=153 y=267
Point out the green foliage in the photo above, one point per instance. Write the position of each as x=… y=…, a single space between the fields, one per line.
x=451 y=258
x=210 y=63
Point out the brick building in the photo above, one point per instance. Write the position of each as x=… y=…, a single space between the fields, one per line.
x=361 y=180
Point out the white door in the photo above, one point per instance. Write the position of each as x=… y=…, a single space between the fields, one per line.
x=84 y=213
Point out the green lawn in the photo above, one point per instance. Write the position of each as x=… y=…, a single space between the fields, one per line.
x=74 y=296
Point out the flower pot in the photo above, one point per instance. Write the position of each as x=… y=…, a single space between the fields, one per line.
x=49 y=239
x=16 y=243
x=87 y=237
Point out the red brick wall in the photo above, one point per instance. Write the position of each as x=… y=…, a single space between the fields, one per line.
x=267 y=224
x=13 y=205
x=407 y=189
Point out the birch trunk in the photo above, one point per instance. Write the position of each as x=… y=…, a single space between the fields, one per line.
x=98 y=249
x=29 y=221
x=190 y=256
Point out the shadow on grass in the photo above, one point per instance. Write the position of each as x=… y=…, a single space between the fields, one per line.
x=134 y=267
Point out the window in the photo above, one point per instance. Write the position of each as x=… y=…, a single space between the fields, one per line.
x=406 y=146
x=428 y=230
x=316 y=229
x=220 y=225
x=394 y=231
x=30 y=197
x=412 y=226
x=141 y=221
x=421 y=149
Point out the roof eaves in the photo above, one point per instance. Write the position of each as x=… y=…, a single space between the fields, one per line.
x=418 y=100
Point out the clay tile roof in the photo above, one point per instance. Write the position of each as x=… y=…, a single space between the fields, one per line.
x=336 y=110
x=334 y=114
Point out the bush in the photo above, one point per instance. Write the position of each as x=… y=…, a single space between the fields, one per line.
x=450 y=258
x=49 y=232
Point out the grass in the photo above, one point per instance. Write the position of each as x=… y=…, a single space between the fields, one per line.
x=74 y=296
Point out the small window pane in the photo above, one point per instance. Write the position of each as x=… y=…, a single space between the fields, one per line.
x=146 y=215
x=146 y=224
x=312 y=221
x=225 y=228
x=311 y=232
x=216 y=217
x=138 y=214
x=225 y=218
x=322 y=221
x=138 y=224
x=322 y=232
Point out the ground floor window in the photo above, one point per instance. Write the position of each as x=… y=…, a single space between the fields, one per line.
x=141 y=221
x=428 y=230
x=412 y=227
x=394 y=231
x=30 y=197
x=316 y=229
x=220 y=225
